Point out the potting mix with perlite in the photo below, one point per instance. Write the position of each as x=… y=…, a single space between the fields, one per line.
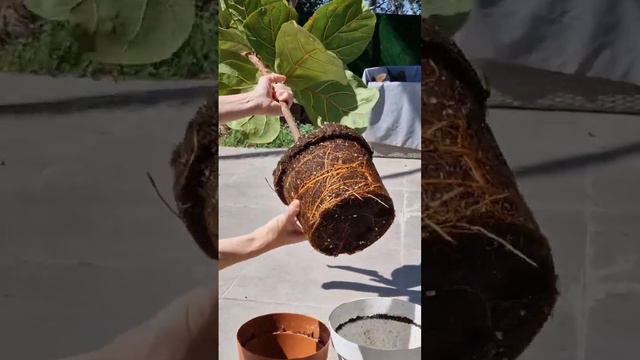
x=344 y=206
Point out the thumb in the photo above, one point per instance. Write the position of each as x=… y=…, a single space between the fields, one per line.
x=293 y=210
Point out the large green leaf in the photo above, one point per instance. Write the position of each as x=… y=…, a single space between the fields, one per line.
x=235 y=73
x=132 y=31
x=330 y=101
x=259 y=129
x=262 y=28
x=232 y=40
x=344 y=27
x=302 y=58
x=51 y=9
x=240 y=10
x=270 y=128
x=237 y=124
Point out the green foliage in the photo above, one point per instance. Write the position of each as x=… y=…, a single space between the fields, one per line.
x=302 y=58
x=263 y=26
x=123 y=31
x=258 y=129
x=238 y=138
x=312 y=57
x=53 y=51
x=449 y=15
x=344 y=27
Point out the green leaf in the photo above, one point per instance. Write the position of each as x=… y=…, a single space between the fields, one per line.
x=240 y=10
x=232 y=40
x=343 y=27
x=133 y=31
x=302 y=58
x=270 y=129
x=330 y=101
x=262 y=28
x=51 y=9
x=258 y=129
x=445 y=7
x=224 y=16
x=235 y=73
x=237 y=124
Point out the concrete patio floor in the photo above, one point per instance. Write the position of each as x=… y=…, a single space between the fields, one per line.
x=87 y=250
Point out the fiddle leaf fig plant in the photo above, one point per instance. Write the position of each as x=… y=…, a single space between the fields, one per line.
x=313 y=57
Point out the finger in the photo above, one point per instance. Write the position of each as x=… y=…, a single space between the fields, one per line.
x=276 y=78
x=293 y=209
x=284 y=94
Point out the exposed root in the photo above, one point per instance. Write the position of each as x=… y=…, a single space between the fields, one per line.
x=155 y=187
x=438 y=229
x=501 y=241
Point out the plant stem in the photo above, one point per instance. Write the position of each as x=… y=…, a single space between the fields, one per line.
x=285 y=108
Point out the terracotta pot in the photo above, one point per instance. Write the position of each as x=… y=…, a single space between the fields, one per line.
x=283 y=336
x=345 y=207
x=377 y=329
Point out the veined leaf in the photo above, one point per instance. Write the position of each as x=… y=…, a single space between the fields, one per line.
x=270 y=128
x=259 y=129
x=262 y=28
x=302 y=58
x=133 y=31
x=344 y=27
x=330 y=101
x=232 y=40
x=237 y=124
x=235 y=73
x=51 y=9
x=240 y=10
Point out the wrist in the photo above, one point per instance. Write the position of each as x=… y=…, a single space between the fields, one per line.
x=261 y=241
x=254 y=103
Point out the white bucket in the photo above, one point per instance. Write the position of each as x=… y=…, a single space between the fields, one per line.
x=376 y=329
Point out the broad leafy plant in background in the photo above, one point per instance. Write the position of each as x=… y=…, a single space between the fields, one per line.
x=313 y=57
x=129 y=32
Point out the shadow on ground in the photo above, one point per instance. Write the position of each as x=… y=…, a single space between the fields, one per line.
x=579 y=161
x=402 y=280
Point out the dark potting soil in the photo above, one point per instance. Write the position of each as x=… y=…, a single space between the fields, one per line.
x=344 y=205
x=195 y=167
x=490 y=281
x=401 y=319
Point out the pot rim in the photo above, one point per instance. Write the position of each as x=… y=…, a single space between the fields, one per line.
x=374 y=298
x=323 y=326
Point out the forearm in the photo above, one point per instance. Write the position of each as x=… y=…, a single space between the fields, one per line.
x=240 y=248
x=234 y=107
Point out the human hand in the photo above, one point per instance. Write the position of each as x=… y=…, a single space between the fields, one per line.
x=268 y=94
x=283 y=229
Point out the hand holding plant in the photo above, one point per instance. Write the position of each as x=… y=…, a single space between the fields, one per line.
x=269 y=93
